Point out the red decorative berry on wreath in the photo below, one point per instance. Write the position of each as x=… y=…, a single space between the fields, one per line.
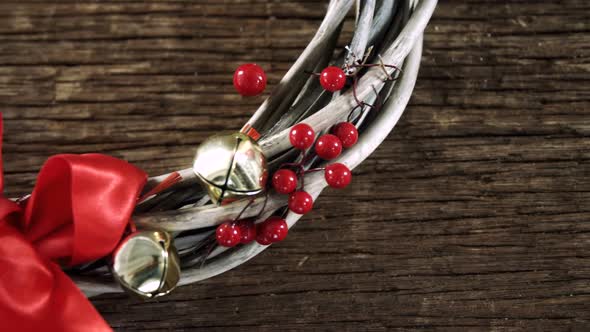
x=284 y=181
x=300 y=202
x=247 y=230
x=332 y=78
x=337 y=175
x=273 y=229
x=228 y=234
x=347 y=133
x=328 y=147
x=249 y=80
x=261 y=235
x=301 y=136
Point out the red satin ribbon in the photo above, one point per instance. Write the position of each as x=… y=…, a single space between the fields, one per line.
x=77 y=213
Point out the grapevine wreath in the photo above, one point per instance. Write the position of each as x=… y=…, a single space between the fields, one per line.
x=95 y=224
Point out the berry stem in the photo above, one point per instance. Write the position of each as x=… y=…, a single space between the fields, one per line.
x=312 y=170
x=244 y=210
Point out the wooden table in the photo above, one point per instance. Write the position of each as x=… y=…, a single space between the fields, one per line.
x=473 y=215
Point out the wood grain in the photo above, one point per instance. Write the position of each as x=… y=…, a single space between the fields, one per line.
x=473 y=215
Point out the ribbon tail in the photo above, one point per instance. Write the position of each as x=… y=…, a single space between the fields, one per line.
x=74 y=311
x=36 y=295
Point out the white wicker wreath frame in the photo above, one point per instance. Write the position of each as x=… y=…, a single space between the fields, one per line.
x=403 y=50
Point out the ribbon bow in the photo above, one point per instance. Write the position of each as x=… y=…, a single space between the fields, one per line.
x=77 y=213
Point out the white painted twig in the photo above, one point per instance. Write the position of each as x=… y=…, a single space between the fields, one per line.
x=358 y=45
x=207 y=215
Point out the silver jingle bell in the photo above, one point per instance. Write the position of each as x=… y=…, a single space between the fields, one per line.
x=146 y=264
x=230 y=167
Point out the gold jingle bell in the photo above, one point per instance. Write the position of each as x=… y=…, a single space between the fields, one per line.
x=146 y=264
x=230 y=167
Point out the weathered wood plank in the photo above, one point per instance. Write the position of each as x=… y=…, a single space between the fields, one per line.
x=473 y=215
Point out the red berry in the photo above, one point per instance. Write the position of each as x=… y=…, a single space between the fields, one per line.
x=228 y=234
x=337 y=175
x=261 y=234
x=284 y=181
x=247 y=230
x=332 y=78
x=275 y=229
x=347 y=133
x=301 y=136
x=300 y=202
x=249 y=80
x=328 y=147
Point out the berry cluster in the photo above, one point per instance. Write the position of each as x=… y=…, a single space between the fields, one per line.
x=250 y=80
x=230 y=234
x=327 y=147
